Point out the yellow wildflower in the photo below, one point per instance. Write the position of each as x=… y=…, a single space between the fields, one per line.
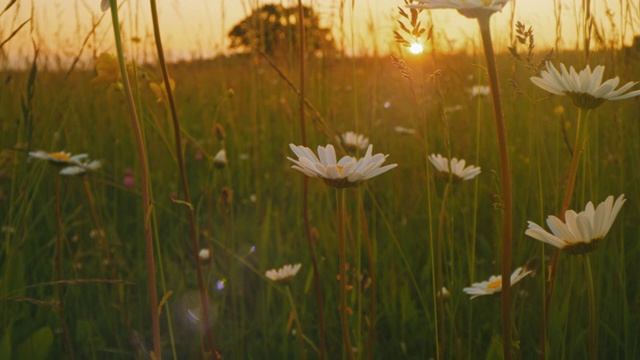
x=108 y=70
x=160 y=91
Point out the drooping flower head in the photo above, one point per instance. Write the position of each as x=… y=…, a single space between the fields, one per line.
x=494 y=284
x=468 y=8
x=220 y=160
x=285 y=273
x=454 y=167
x=347 y=172
x=585 y=88
x=582 y=232
x=353 y=141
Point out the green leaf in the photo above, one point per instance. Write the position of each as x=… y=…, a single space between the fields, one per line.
x=37 y=346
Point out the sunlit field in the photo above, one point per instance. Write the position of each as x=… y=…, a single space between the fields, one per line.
x=388 y=259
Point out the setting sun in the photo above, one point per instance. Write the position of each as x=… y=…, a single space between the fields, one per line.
x=416 y=49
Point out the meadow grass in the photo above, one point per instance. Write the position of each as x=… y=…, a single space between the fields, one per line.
x=249 y=212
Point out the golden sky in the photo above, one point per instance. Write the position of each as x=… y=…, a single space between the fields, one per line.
x=197 y=28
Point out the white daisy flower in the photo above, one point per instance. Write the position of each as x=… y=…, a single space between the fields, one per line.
x=58 y=158
x=353 y=141
x=494 y=284
x=582 y=231
x=480 y=90
x=81 y=168
x=285 y=273
x=455 y=167
x=220 y=160
x=586 y=88
x=347 y=172
x=469 y=8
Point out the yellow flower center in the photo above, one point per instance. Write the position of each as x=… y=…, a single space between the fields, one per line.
x=494 y=284
x=60 y=156
x=340 y=168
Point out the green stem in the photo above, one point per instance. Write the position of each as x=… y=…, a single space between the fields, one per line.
x=571 y=182
x=296 y=319
x=440 y=318
x=342 y=213
x=144 y=180
x=195 y=247
x=593 y=330
x=59 y=234
x=505 y=177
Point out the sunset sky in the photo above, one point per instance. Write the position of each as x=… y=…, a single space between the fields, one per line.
x=197 y=28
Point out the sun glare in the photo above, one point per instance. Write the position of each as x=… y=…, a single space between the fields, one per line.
x=416 y=49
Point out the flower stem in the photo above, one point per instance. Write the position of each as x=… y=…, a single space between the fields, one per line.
x=593 y=334
x=440 y=316
x=342 y=213
x=195 y=247
x=505 y=177
x=299 y=333
x=571 y=182
x=144 y=179
x=61 y=308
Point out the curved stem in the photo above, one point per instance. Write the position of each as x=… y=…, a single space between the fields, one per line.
x=505 y=177
x=341 y=205
x=144 y=179
x=195 y=247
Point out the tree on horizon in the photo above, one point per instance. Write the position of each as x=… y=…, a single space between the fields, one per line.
x=274 y=29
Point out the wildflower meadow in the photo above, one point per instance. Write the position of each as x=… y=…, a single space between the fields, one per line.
x=291 y=199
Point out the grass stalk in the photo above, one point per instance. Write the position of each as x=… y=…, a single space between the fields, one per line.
x=505 y=177
x=144 y=180
x=305 y=187
x=195 y=247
